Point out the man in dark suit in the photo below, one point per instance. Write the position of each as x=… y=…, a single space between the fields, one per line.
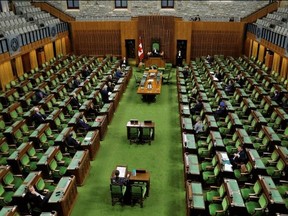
x=83 y=124
x=221 y=110
x=74 y=101
x=37 y=199
x=240 y=157
x=197 y=107
x=179 y=58
x=72 y=142
x=86 y=72
x=76 y=82
x=104 y=94
x=38 y=117
x=118 y=180
x=39 y=94
x=124 y=62
x=276 y=97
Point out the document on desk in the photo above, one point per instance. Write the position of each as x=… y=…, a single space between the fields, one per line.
x=122 y=171
x=228 y=167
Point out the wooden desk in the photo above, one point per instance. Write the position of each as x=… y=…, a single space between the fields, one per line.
x=101 y=124
x=64 y=196
x=9 y=211
x=195 y=204
x=91 y=142
x=189 y=143
x=150 y=84
x=271 y=192
x=141 y=126
x=186 y=125
x=155 y=61
x=225 y=165
x=234 y=196
x=107 y=109
x=141 y=176
x=79 y=166
x=191 y=167
x=185 y=110
x=257 y=163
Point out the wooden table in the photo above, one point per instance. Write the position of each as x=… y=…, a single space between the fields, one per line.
x=150 y=85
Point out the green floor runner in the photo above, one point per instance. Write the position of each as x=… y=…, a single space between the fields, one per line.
x=163 y=159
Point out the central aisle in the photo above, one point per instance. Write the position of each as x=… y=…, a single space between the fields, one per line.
x=163 y=159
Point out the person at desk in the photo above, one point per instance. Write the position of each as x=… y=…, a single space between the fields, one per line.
x=230 y=88
x=218 y=76
x=118 y=74
x=93 y=110
x=72 y=142
x=197 y=107
x=76 y=82
x=36 y=199
x=105 y=94
x=124 y=62
x=185 y=72
x=86 y=72
x=240 y=80
x=39 y=95
x=276 y=97
x=38 y=117
x=221 y=110
x=119 y=180
x=198 y=127
x=75 y=102
x=82 y=123
x=239 y=158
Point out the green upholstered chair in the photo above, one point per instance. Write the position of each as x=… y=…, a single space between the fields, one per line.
x=205 y=152
x=42 y=184
x=276 y=171
x=270 y=158
x=257 y=207
x=262 y=147
x=219 y=209
x=117 y=193
x=210 y=177
x=33 y=154
x=251 y=190
x=137 y=80
x=216 y=193
x=283 y=189
x=134 y=135
x=27 y=165
x=11 y=181
x=57 y=171
x=156 y=46
x=5 y=196
x=62 y=160
x=209 y=163
x=44 y=142
x=5 y=149
x=138 y=193
x=147 y=135
x=167 y=76
x=243 y=176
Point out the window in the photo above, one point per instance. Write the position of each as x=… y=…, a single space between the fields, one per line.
x=120 y=3
x=167 y=3
x=73 y=4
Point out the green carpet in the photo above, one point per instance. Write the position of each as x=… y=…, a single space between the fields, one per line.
x=163 y=158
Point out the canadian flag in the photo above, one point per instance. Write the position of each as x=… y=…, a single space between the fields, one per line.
x=140 y=50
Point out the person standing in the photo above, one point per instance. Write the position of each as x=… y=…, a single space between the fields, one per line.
x=179 y=58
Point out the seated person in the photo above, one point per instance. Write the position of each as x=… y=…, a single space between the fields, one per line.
x=110 y=86
x=38 y=117
x=75 y=102
x=218 y=76
x=119 y=180
x=76 y=82
x=124 y=62
x=230 y=88
x=240 y=80
x=37 y=199
x=39 y=94
x=193 y=95
x=240 y=157
x=72 y=142
x=221 y=110
x=82 y=123
x=86 y=72
x=276 y=97
x=186 y=72
x=155 y=52
x=118 y=74
x=105 y=94
x=198 y=127
x=197 y=107
x=93 y=110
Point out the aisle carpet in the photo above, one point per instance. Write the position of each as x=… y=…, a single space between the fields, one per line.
x=163 y=158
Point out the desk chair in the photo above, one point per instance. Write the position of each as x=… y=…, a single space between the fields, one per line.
x=117 y=193
x=219 y=209
x=251 y=190
x=216 y=193
x=166 y=77
x=138 y=193
x=5 y=196
x=147 y=135
x=137 y=80
x=134 y=135
x=258 y=206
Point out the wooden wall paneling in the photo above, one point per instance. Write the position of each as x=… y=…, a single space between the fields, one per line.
x=63 y=45
x=255 y=49
x=6 y=73
x=58 y=46
x=33 y=59
x=26 y=62
x=261 y=53
x=129 y=30
x=215 y=38
x=276 y=62
x=19 y=66
x=183 y=31
x=49 y=51
x=284 y=68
